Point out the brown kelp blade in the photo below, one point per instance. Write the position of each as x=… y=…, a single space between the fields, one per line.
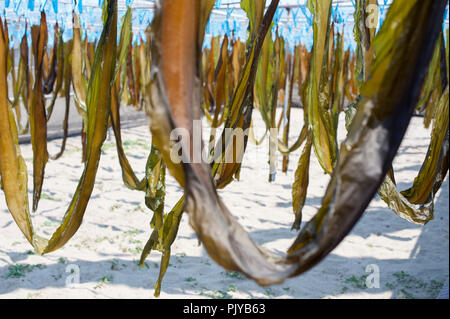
x=288 y=106
x=98 y=102
x=24 y=57
x=129 y=177
x=301 y=181
x=324 y=142
x=240 y=107
x=13 y=170
x=67 y=75
x=37 y=112
x=60 y=65
x=124 y=53
x=12 y=165
x=67 y=84
x=130 y=76
x=388 y=99
x=49 y=81
x=79 y=82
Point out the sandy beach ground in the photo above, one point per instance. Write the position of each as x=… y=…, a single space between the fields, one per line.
x=413 y=261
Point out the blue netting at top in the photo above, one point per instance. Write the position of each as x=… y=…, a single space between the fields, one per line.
x=292 y=19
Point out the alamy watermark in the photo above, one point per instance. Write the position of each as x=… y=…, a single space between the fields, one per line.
x=373 y=279
x=73 y=279
x=226 y=147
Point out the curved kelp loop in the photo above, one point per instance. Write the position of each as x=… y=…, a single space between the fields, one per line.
x=387 y=103
x=388 y=100
x=156 y=111
x=252 y=137
x=12 y=165
x=416 y=204
x=165 y=228
x=436 y=160
x=286 y=150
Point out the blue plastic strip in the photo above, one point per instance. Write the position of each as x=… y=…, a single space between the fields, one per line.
x=277 y=16
x=17 y=6
x=42 y=5
x=229 y=12
x=294 y=16
x=294 y=32
x=55 y=6
x=306 y=14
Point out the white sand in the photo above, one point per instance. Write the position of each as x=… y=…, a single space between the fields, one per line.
x=413 y=261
